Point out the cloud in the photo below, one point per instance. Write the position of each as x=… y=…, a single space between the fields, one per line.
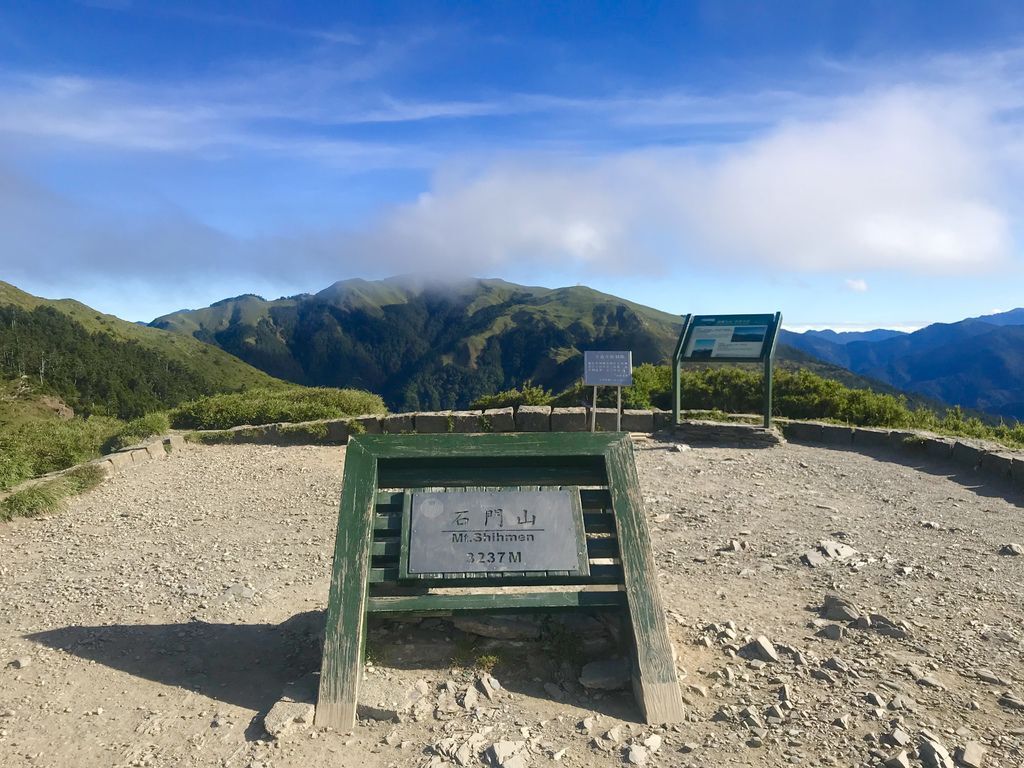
x=898 y=180
x=911 y=179
x=856 y=285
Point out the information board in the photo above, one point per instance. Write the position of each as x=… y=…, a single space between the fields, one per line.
x=495 y=531
x=732 y=337
x=608 y=369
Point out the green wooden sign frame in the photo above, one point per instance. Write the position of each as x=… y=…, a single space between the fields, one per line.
x=380 y=470
x=767 y=355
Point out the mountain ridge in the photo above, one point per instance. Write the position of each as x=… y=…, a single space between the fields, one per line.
x=427 y=344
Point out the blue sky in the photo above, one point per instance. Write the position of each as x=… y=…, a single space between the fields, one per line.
x=853 y=164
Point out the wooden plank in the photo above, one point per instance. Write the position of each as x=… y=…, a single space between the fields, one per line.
x=594 y=499
x=506 y=446
x=599 y=574
x=391 y=522
x=598 y=548
x=455 y=475
x=346 y=606
x=392 y=548
x=655 y=683
x=524 y=601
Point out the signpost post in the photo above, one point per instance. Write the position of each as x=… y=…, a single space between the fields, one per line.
x=608 y=369
x=510 y=512
x=727 y=339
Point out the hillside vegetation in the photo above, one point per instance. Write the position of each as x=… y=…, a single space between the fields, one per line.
x=262 y=406
x=99 y=363
x=799 y=394
x=425 y=346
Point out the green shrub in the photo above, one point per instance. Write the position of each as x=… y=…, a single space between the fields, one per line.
x=137 y=430
x=528 y=394
x=266 y=406
x=15 y=462
x=38 y=447
x=49 y=496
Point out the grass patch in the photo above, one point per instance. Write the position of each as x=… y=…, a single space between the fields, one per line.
x=268 y=406
x=49 y=495
x=35 y=448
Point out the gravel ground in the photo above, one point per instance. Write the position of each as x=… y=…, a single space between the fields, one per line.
x=159 y=618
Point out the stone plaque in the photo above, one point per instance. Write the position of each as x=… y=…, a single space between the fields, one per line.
x=495 y=531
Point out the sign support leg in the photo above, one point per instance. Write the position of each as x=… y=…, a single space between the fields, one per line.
x=618 y=409
x=676 y=394
x=767 y=391
x=593 y=412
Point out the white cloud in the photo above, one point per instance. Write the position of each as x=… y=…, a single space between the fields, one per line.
x=900 y=180
x=857 y=285
x=908 y=179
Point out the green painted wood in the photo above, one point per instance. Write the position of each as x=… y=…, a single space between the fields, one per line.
x=390 y=548
x=346 y=607
x=391 y=521
x=371 y=525
x=524 y=601
x=655 y=683
x=599 y=574
x=602 y=548
x=455 y=475
x=495 y=448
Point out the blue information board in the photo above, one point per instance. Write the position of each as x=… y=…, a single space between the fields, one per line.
x=608 y=369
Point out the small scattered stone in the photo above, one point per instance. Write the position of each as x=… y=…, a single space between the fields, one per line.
x=832 y=632
x=932 y=753
x=899 y=760
x=762 y=648
x=653 y=743
x=609 y=675
x=1011 y=701
x=285 y=715
x=20 y=663
x=1012 y=550
x=637 y=755
x=838 y=608
x=971 y=754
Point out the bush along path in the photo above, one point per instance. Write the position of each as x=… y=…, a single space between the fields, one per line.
x=49 y=493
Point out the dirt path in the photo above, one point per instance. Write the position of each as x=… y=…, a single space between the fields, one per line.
x=158 y=619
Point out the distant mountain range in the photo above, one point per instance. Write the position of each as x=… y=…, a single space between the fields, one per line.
x=977 y=363
x=426 y=345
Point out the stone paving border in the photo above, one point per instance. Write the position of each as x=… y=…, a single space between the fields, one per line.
x=988 y=460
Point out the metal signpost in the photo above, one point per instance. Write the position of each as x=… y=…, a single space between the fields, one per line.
x=608 y=369
x=727 y=339
x=427 y=520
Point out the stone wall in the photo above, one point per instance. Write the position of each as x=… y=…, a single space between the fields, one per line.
x=978 y=457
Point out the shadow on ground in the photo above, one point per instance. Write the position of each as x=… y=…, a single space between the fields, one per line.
x=247 y=665
x=251 y=665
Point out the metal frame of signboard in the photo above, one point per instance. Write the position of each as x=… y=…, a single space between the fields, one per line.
x=381 y=471
x=767 y=358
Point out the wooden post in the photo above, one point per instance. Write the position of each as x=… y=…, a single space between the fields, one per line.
x=593 y=412
x=345 y=634
x=655 y=684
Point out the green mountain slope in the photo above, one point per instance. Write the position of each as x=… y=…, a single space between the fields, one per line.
x=426 y=345
x=99 y=363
